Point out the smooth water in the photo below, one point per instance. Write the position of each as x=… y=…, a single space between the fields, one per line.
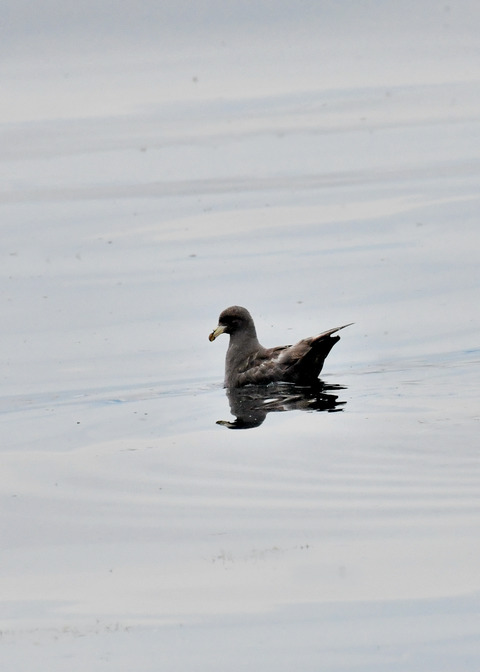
x=241 y=160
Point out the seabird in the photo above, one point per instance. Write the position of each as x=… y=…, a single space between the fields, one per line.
x=249 y=363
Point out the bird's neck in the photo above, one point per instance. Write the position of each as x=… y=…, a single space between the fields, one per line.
x=244 y=344
x=239 y=349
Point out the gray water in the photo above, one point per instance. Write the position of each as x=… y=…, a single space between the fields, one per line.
x=317 y=182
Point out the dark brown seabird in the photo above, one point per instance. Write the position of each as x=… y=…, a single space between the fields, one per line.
x=249 y=363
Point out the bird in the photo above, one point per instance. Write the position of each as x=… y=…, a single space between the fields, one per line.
x=249 y=363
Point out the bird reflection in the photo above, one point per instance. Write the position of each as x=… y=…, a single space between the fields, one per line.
x=250 y=405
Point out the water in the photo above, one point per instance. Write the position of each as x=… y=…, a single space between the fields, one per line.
x=146 y=188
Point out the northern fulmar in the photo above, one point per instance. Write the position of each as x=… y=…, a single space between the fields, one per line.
x=249 y=363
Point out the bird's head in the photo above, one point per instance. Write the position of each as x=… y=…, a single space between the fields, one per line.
x=231 y=321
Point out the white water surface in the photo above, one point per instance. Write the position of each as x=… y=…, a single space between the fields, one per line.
x=319 y=164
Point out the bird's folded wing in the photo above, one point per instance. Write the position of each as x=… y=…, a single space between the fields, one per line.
x=262 y=367
x=294 y=353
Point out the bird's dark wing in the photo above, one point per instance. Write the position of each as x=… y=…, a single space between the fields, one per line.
x=303 y=361
x=261 y=367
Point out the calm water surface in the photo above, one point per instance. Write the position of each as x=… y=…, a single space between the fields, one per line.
x=137 y=533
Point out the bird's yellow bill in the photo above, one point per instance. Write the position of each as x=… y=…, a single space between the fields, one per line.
x=216 y=332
